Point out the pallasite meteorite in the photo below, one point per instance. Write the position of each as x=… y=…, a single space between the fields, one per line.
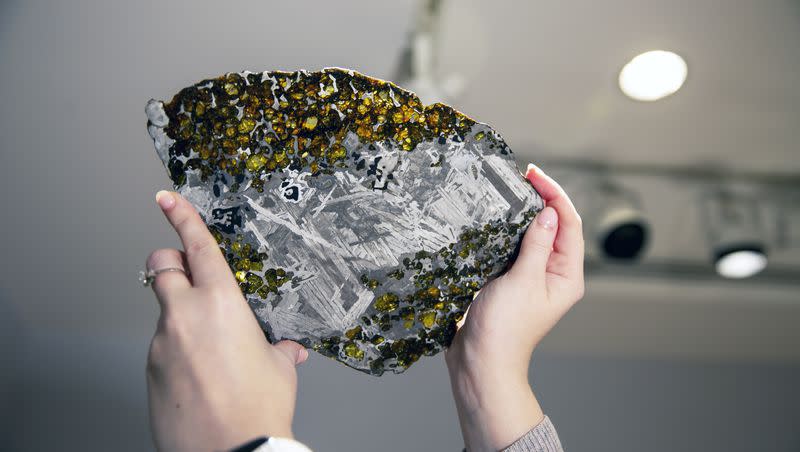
x=357 y=221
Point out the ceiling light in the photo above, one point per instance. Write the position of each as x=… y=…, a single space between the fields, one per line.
x=741 y=263
x=620 y=227
x=736 y=236
x=652 y=75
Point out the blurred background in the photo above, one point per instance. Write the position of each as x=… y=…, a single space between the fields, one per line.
x=689 y=335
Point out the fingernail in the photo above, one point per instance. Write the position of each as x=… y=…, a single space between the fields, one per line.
x=302 y=355
x=547 y=218
x=532 y=167
x=165 y=199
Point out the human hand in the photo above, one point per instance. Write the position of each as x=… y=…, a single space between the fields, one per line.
x=213 y=380
x=490 y=354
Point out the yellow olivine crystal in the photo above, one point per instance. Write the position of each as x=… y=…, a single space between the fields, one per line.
x=386 y=302
x=248 y=121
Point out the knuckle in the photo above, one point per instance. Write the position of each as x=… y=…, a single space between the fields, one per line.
x=181 y=220
x=218 y=297
x=170 y=327
x=158 y=257
x=541 y=246
x=201 y=247
x=217 y=293
x=155 y=355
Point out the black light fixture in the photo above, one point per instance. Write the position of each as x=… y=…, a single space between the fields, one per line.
x=620 y=227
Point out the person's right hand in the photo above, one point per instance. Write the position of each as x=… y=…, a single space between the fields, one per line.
x=489 y=357
x=213 y=380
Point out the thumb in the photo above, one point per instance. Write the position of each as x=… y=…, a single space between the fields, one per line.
x=537 y=244
x=294 y=352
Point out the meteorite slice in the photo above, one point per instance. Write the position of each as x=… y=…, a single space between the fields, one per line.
x=357 y=221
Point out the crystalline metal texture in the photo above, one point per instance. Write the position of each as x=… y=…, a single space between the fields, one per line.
x=357 y=221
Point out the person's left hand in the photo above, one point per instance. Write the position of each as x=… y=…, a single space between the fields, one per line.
x=213 y=380
x=490 y=356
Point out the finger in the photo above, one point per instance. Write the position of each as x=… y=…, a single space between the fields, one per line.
x=568 y=244
x=167 y=282
x=537 y=245
x=206 y=262
x=294 y=352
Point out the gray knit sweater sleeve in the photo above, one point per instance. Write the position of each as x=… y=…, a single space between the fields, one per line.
x=541 y=438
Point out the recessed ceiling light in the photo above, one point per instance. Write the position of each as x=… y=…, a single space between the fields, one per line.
x=652 y=75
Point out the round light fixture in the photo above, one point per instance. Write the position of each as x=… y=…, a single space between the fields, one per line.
x=653 y=75
x=623 y=233
x=741 y=262
x=736 y=235
x=619 y=226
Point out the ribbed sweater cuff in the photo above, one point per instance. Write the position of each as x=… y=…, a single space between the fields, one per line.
x=541 y=438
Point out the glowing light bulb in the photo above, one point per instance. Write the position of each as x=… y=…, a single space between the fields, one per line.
x=741 y=264
x=653 y=75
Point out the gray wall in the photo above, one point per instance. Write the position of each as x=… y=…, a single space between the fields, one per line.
x=84 y=393
x=78 y=219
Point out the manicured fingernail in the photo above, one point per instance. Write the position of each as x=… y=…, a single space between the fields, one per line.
x=532 y=167
x=165 y=199
x=547 y=218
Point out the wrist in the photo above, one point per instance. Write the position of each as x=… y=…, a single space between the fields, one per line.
x=467 y=367
x=495 y=406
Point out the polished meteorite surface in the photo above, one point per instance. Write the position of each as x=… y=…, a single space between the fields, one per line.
x=357 y=221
